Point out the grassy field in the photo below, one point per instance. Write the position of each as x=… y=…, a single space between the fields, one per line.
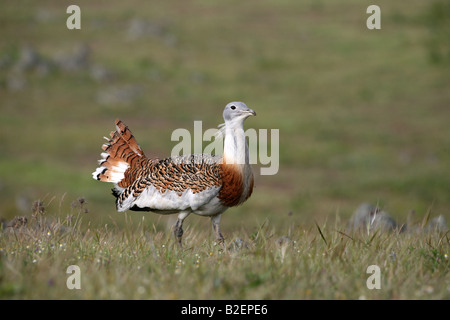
x=363 y=117
x=139 y=262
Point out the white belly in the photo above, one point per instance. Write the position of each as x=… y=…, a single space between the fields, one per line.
x=203 y=203
x=211 y=208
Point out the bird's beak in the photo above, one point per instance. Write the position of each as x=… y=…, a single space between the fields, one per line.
x=250 y=112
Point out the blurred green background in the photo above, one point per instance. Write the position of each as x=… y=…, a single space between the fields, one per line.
x=363 y=114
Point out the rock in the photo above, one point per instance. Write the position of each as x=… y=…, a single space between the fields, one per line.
x=141 y=28
x=100 y=73
x=238 y=244
x=369 y=218
x=118 y=95
x=438 y=224
x=78 y=60
x=28 y=59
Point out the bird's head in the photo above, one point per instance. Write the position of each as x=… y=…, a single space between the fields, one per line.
x=237 y=111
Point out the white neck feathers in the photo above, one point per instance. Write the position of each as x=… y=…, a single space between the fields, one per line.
x=235 y=153
x=235 y=144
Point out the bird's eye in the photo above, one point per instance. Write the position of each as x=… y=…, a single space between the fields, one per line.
x=233 y=107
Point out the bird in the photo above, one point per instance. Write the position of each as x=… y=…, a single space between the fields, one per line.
x=203 y=184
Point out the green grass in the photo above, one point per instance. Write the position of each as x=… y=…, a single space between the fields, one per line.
x=363 y=117
x=139 y=261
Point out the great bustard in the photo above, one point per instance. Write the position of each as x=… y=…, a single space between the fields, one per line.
x=203 y=184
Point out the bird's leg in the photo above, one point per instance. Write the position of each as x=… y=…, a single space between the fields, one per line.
x=178 y=231
x=216 y=227
x=178 y=227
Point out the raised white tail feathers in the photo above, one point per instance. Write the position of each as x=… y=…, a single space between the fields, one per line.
x=110 y=170
x=121 y=153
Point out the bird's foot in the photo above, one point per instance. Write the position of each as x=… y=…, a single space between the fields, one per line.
x=220 y=239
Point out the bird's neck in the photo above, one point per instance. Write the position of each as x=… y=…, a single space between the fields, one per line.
x=237 y=173
x=235 y=145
